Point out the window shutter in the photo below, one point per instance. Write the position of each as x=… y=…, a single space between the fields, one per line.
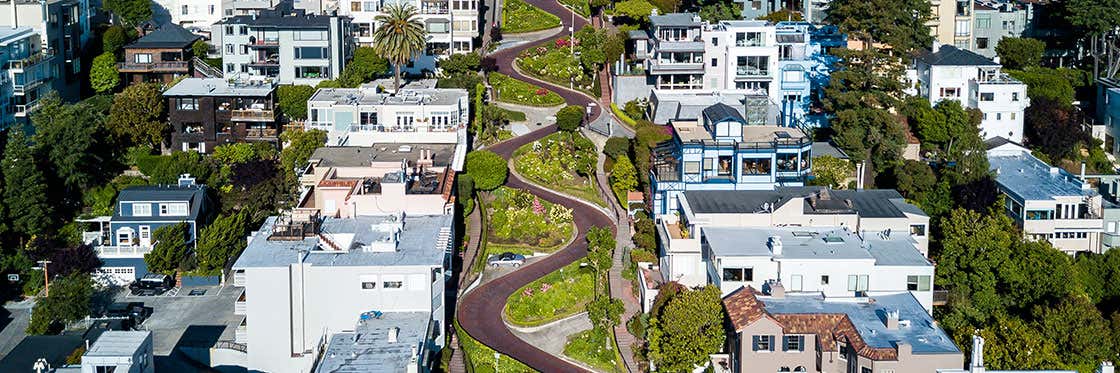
x=772 y=340
x=754 y=345
x=801 y=346
x=785 y=343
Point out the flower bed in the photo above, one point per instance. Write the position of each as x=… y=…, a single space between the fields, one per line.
x=521 y=222
x=522 y=93
x=555 y=296
x=561 y=161
x=518 y=16
x=554 y=62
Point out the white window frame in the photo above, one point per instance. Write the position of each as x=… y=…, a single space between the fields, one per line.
x=141 y=209
x=174 y=209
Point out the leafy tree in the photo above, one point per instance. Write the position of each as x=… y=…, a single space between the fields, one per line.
x=1094 y=17
x=870 y=134
x=1044 y=83
x=25 y=188
x=221 y=241
x=200 y=48
x=165 y=169
x=1054 y=128
x=623 y=178
x=487 y=169
x=137 y=115
x=614 y=45
x=1020 y=53
x=639 y=10
x=465 y=195
x=862 y=92
x=1011 y=343
x=716 y=11
x=103 y=76
x=664 y=6
x=460 y=71
x=687 y=330
x=113 y=40
x=292 y=100
x=400 y=37
x=366 y=66
x=243 y=152
x=570 y=118
x=1079 y=331
x=617 y=147
x=70 y=300
x=831 y=172
x=258 y=189
x=72 y=138
x=132 y=12
x=301 y=144
x=605 y=312
x=913 y=179
x=782 y=15
x=170 y=252
x=600 y=247
x=898 y=23
x=80 y=259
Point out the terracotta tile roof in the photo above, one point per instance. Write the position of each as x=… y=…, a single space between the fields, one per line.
x=744 y=308
x=336 y=183
x=447 y=184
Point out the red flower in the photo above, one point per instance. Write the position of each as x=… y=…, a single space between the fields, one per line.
x=541 y=92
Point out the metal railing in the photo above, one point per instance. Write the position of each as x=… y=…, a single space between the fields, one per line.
x=153 y=66
x=260 y=132
x=231 y=345
x=122 y=251
x=751 y=71
x=256 y=115
x=29 y=61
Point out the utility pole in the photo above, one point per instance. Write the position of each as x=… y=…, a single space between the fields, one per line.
x=46 y=276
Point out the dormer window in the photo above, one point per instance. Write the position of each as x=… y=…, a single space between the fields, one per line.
x=173 y=209
x=141 y=209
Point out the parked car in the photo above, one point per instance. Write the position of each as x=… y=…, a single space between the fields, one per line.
x=135 y=312
x=506 y=259
x=152 y=284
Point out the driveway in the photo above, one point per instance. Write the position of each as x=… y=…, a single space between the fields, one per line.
x=14 y=318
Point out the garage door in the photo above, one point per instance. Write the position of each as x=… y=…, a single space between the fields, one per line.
x=116 y=275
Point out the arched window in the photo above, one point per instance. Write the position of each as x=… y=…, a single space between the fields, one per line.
x=125 y=236
x=799 y=369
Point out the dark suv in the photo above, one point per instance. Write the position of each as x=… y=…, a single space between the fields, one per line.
x=152 y=284
x=134 y=312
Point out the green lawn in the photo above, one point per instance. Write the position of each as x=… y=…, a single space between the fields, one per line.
x=582 y=7
x=481 y=358
x=522 y=93
x=555 y=296
x=592 y=348
x=512 y=115
x=518 y=16
x=552 y=162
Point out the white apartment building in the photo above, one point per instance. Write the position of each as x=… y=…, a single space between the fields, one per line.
x=346 y=294
x=120 y=352
x=26 y=74
x=951 y=22
x=195 y=15
x=366 y=115
x=833 y=242
x=950 y=73
x=1047 y=202
x=64 y=30
x=283 y=45
x=452 y=26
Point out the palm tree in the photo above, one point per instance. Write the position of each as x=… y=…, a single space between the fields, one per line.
x=400 y=36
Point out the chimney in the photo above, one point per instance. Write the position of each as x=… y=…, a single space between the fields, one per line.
x=185 y=180
x=891 y=320
x=775 y=244
x=777 y=291
x=977 y=363
x=995 y=59
x=1106 y=367
x=393 y=334
x=936 y=46
x=653 y=12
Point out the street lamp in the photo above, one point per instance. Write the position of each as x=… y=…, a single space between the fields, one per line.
x=496 y=356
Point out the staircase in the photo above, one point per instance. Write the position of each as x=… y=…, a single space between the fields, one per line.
x=205 y=70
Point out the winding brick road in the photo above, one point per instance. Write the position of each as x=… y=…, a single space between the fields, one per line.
x=480 y=311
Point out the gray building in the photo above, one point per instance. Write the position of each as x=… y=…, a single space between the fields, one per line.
x=63 y=28
x=284 y=45
x=995 y=20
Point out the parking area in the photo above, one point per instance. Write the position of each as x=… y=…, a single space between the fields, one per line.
x=189 y=316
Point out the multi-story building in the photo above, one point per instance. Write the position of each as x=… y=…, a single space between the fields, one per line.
x=776 y=331
x=681 y=54
x=832 y=242
x=951 y=22
x=725 y=152
x=63 y=28
x=283 y=45
x=119 y=351
x=208 y=112
x=160 y=56
x=365 y=116
x=950 y=73
x=1047 y=202
x=196 y=15
x=1108 y=113
x=346 y=294
x=452 y=26
x=996 y=20
x=27 y=73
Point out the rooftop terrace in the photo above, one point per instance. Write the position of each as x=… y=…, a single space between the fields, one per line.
x=1029 y=178
x=370 y=96
x=369 y=349
x=831 y=243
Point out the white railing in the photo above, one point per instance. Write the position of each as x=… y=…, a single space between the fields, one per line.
x=239 y=278
x=122 y=251
x=239 y=308
x=91 y=238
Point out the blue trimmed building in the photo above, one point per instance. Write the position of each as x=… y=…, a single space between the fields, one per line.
x=122 y=240
x=723 y=152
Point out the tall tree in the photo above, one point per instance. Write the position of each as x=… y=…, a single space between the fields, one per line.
x=70 y=300
x=292 y=100
x=1079 y=332
x=25 y=187
x=137 y=115
x=687 y=330
x=1054 y=129
x=1011 y=343
x=364 y=67
x=221 y=241
x=624 y=178
x=170 y=252
x=1094 y=17
x=301 y=144
x=1020 y=53
x=898 y=23
x=72 y=138
x=831 y=171
x=132 y=12
x=487 y=169
x=863 y=90
x=400 y=37
x=103 y=75
x=113 y=40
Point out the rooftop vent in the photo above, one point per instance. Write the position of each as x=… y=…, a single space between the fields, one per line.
x=186 y=180
x=393 y=334
x=891 y=320
x=775 y=243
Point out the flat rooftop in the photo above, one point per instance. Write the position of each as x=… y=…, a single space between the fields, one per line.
x=922 y=334
x=824 y=243
x=370 y=96
x=219 y=87
x=1029 y=178
x=868 y=203
x=367 y=348
x=362 y=156
x=771 y=133
x=418 y=243
x=115 y=343
x=8 y=33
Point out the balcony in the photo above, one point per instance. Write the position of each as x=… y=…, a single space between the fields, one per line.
x=29 y=62
x=239 y=278
x=127 y=251
x=751 y=72
x=271 y=62
x=239 y=308
x=242 y=335
x=677 y=237
x=157 y=67
x=253 y=115
x=265 y=43
x=664 y=67
x=429 y=8
x=260 y=133
x=21 y=89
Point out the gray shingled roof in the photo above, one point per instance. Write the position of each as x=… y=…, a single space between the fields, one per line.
x=868 y=203
x=196 y=195
x=948 y=55
x=674 y=20
x=167 y=36
x=721 y=112
x=280 y=19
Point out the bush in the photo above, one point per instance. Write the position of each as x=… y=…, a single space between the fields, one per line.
x=113 y=40
x=617 y=147
x=292 y=100
x=488 y=169
x=1020 y=53
x=623 y=178
x=570 y=118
